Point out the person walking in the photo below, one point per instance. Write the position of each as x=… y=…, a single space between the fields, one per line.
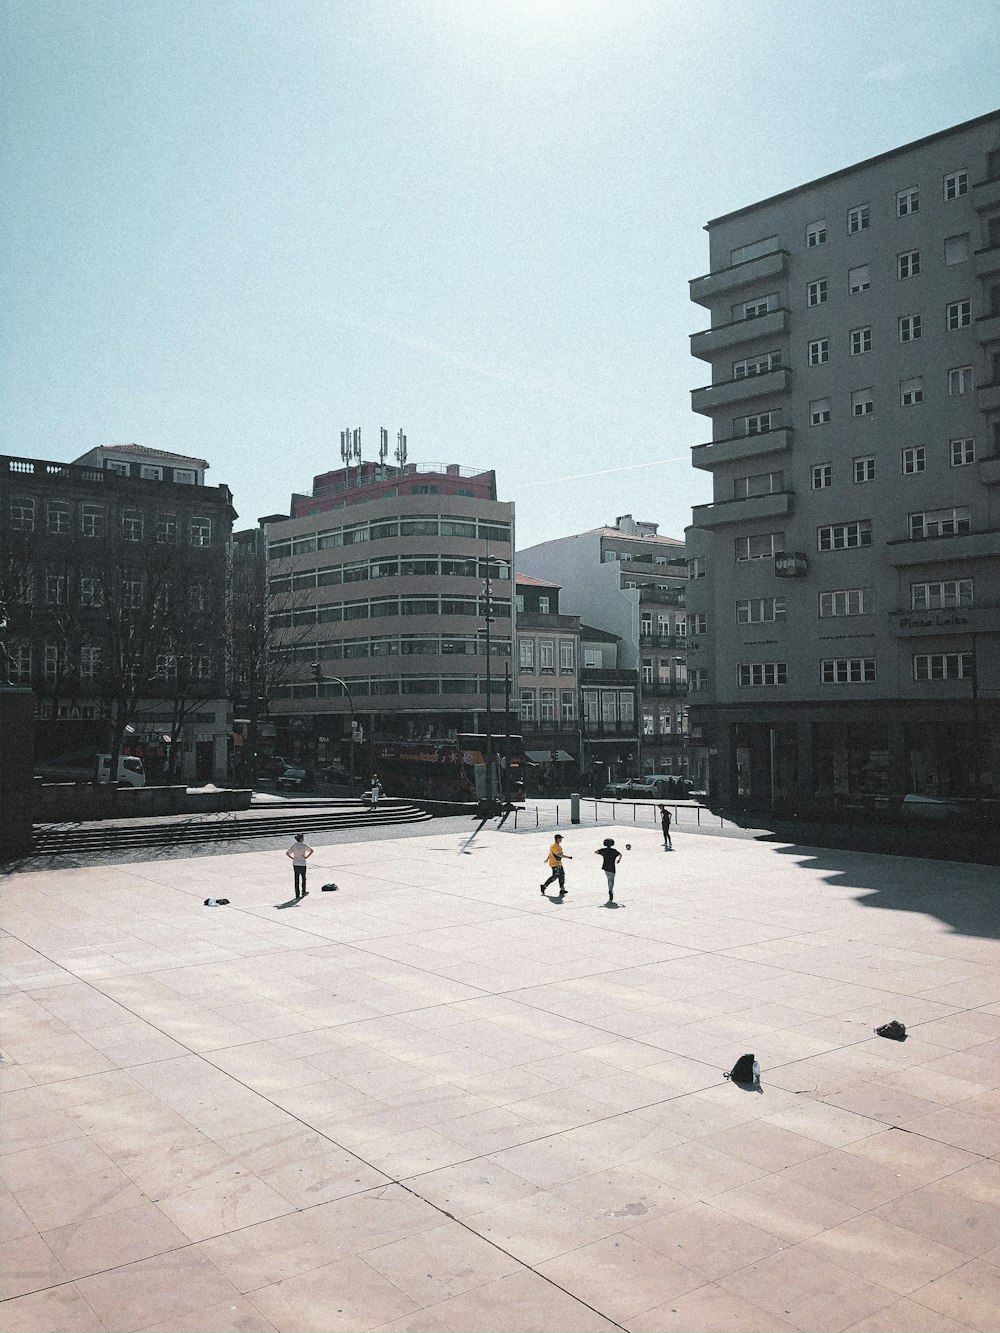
x=299 y=853
x=665 y=825
x=555 y=862
x=610 y=856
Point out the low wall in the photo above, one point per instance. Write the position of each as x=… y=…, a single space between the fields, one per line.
x=70 y=802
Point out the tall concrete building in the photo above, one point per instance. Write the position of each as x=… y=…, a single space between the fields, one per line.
x=844 y=593
x=378 y=575
x=630 y=581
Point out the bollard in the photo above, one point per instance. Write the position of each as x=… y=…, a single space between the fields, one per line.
x=536 y=816
x=516 y=812
x=557 y=816
x=574 y=808
x=699 y=816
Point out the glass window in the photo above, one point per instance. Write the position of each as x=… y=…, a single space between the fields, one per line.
x=858 y=219
x=57 y=518
x=817 y=292
x=908 y=264
x=762 y=673
x=909 y=328
x=959 y=380
x=201 y=532
x=819 y=411
x=526 y=654
x=913 y=460
x=822 y=476
x=864 y=468
x=940 y=522
x=907 y=201
x=847 y=670
x=859 y=279
x=956 y=183
x=911 y=391
x=941 y=595
x=958 y=314
x=862 y=403
x=760 y=546
x=816 y=233
x=943 y=666
x=843 y=536
x=819 y=351
x=845 y=602
x=861 y=341
x=957 y=249
x=962 y=452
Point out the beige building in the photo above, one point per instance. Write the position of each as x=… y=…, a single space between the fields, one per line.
x=379 y=576
x=844 y=593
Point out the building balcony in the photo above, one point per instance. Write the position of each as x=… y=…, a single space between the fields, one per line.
x=989 y=470
x=548 y=621
x=739 y=447
x=650 y=640
x=608 y=730
x=777 y=505
x=988 y=396
x=607 y=676
x=650 y=596
x=986 y=194
x=659 y=689
x=988 y=327
x=987 y=261
x=712 y=397
x=937 y=550
x=664 y=740
x=723 y=337
x=711 y=286
x=558 y=730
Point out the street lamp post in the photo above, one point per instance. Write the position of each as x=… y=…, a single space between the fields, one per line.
x=321 y=679
x=488 y=605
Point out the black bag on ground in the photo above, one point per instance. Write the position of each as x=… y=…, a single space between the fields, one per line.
x=742 y=1070
x=895 y=1031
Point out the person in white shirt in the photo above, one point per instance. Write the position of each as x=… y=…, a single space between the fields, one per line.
x=299 y=853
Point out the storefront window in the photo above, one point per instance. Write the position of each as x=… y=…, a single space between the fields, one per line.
x=850 y=759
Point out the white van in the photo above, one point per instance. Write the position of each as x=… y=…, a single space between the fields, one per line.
x=130 y=770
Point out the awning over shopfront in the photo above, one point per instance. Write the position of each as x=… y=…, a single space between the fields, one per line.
x=545 y=757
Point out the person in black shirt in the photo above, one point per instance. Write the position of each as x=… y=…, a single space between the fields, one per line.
x=610 y=856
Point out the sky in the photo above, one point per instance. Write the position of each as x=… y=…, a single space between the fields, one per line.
x=232 y=228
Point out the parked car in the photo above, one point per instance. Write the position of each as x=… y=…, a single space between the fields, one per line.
x=273 y=766
x=295 y=779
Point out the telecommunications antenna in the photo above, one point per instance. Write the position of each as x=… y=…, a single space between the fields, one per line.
x=383 y=447
x=401 y=448
x=345 y=446
x=357 y=445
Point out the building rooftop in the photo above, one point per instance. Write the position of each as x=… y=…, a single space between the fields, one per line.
x=855 y=166
x=526 y=581
x=140 y=451
x=634 y=537
x=598 y=635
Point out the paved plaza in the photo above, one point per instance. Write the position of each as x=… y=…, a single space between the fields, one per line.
x=436 y=1100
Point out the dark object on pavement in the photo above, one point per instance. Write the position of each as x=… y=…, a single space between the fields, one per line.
x=895 y=1031
x=329 y=888
x=745 y=1070
x=216 y=902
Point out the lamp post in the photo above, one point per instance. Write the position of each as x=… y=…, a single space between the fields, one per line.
x=321 y=679
x=488 y=606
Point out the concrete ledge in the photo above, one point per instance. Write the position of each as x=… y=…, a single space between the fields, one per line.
x=75 y=801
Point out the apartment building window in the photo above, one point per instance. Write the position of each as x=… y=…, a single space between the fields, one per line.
x=543 y=606
x=911 y=391
x=91 y=591
x=821 y=476
x=858 y=219
x=21 y=586
x=696 y=568
x=185 y=476
x=845 y=602
x=907 y=201
x=19 y=663
x=819 y=411
x=52 y=662
x=55 y=589
x=760 y=546
x=757 y=365
x=699 y=622
x=680 y=670
x=698 y=680
x=547 y=701
x=956 y=183
x=132 y=526
x=22 y=514
x=591 y=657
x=943 y=666
x=962 y=452
x=201 y=532
x=742 y=254
x=91 y=655
x=759 y=423
x=817 y=292
x=940 y=522
x=762 y=483
x=122 y=469
x=760 y=610
x=526 y=654
x=862 y=403
x=908 y=264
x=92 y=520
x=567 y=705
x=914 y=459
x=959 y=381
x=626 y=706
x=149 y=472
x=815 y=233
x=844 y=536
x=859 y=279
x=957 y=249
x=518 y=599
x=762 y=673
x=819 y=351
x=166 y=667
x=546 y=657
x=959 y=314
x=647 y=671
x=57 y=518
x=909 y=328
x=942 y=595
x=566 y=657
x=847 y=670
x=647 y=724
x=756 y=307
x=526 y=705
x=861 y=341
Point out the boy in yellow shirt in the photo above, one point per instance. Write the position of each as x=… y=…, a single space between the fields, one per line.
x=555 y=862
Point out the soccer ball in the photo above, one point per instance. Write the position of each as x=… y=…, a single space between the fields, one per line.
x=628 y=846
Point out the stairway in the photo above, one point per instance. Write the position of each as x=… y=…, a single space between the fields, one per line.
x=179 y=830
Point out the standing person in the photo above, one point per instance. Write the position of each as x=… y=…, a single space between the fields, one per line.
x=299 y=853
x=665 y=825
x=555 y=862
x=610 y=856
x=376 y=791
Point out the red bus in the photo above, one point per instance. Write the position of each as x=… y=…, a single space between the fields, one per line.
x=450 y=770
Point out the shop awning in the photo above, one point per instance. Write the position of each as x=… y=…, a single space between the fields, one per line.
x=545 y=757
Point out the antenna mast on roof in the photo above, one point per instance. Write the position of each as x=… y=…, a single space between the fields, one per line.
x=383 y=447
x=401 y=448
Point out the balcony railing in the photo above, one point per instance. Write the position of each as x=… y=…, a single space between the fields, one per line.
x=954 y=546
x=593 y=729
x=778 y=504
x=651 y=640
x=710 y=286
x=721 y=337
x=713 y=397
x=738 y=447
x=659 y=689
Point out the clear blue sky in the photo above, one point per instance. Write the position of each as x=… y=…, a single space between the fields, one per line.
x=231 y=229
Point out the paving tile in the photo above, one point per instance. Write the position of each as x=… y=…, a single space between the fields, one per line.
x=438 y=1264
x=908 y=1315
x=235 y=1316
x=29 y=1265
x=540 y=1226
x=807 y=1291
x=75 y=1198
x=471 y=1187
x=624 y=1194
x=777 y=1204
x=165 y=1288
x=764 y=1145
x=970 y=1294
x=59 y=1308
x=709 y=1309
x=959 y=1211
x=345 y=1295
x=222 y=1206
x=706 y=1240
x=529 y=1305
x=14 y=1221
x=620 y=1276
x=850 y=1178
x=892 y=1256
x=113 y=1239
